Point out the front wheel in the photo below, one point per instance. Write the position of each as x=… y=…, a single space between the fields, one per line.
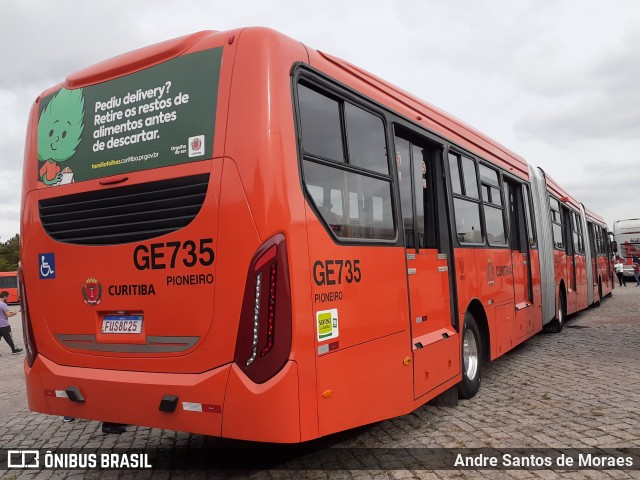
x=471 y=358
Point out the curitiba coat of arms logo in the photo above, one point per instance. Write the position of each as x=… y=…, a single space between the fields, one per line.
x=92 y=291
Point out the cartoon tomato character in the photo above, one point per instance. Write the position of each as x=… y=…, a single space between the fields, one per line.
x=59 y=133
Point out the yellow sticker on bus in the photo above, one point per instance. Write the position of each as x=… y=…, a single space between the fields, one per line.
x=327 y=321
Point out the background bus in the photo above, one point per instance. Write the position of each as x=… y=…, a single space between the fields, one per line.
x=9 y=283
x=344 y=252
x=626 y=234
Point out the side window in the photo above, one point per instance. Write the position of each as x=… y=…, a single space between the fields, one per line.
x=355 y=203
x=422 y=158
x=528 y=213
x=493 y=206
x=414 y=156
x=581 y=247
x=591 y=238
x=598 y=239
x=466 y=204
x=320 y=119
x=556 y=223
x=356 y=206
x=470 y=177
x=454 y=169
x=403 y=162
x=366 y=140
x=8 y=282
x=576 y=236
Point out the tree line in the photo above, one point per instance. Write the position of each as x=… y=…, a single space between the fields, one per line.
x=10 y=254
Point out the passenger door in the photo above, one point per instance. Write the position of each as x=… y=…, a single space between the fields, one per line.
x=570 y=249
x=520 y=259
x=434 y=340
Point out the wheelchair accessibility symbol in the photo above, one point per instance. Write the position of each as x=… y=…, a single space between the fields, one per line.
x=47 y=262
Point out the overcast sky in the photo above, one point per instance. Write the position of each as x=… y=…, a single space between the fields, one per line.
x=556 y=81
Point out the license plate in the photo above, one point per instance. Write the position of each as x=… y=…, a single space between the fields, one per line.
x=122 y=324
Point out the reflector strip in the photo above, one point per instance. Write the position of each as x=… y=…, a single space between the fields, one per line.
x=270 y=254
x=192 y=407
x=56 y=393
x=212 y=408
x=201 y=407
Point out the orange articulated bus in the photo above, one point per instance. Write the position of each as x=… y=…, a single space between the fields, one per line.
x=233 y=234
x=9 y=283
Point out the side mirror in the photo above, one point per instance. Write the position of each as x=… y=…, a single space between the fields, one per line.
x=614 y=246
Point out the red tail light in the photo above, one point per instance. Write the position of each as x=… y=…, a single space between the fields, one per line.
x=27 y=330
x=264 y=334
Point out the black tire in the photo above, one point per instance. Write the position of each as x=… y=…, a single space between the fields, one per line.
x=472 y=358
x=555 y=326
x=613 y=286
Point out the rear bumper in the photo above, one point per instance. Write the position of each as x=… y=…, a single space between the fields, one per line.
x=267 y=412
x=129 y=397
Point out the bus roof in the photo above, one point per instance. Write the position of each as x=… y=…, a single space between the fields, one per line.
x=133 y=61
x=626 y=226
x=560 y=192
x=594 y=217
x=422 y=112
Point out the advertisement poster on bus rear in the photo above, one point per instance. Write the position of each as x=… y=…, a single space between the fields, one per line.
x=160 y=116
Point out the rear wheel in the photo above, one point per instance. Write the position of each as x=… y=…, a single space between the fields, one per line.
x=471 y=358
x=612 y=280
x=555 y=326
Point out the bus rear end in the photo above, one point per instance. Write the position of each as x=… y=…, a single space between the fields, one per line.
x=626 y=234
x=9 y=283
x=150 y=296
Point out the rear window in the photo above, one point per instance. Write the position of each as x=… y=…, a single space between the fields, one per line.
x=160 y=116
x=8 y=282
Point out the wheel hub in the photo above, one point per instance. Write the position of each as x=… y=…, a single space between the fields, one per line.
x=470 y=354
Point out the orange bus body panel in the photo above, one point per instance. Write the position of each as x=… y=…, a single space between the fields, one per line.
x=364 y=384
x=268 y=412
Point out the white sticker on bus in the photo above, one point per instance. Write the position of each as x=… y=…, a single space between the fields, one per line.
x=327 y=323
x=196 y=146
x=192 y=406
